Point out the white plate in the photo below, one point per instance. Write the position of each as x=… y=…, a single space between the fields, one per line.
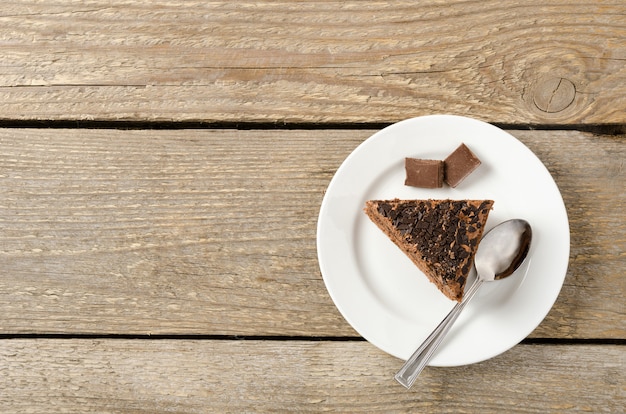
x=385 y=297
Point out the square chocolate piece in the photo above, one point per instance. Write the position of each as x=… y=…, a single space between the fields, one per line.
x=459 y=165
x=423 y=173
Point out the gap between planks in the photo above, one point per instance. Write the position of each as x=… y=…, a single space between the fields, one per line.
x=279 y=338
x=598 y=129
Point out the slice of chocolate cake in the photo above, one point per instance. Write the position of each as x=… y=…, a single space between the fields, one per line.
x=440 y=236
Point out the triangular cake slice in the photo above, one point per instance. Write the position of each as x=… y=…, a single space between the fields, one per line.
x=440 y=236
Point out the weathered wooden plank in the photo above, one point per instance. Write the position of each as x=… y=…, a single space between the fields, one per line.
x=321 y=61
x=589 y=171
x=213 y=231
x=159 y=376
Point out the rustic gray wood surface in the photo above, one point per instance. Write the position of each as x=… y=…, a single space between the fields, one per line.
x=329 y=61
x=186 y=376
x=213 y=231
x=162 y=167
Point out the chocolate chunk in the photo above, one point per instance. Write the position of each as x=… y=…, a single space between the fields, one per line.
x=423 y=173
x=459 y=165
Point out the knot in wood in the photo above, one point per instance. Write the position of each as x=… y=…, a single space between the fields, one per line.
x=554 y=94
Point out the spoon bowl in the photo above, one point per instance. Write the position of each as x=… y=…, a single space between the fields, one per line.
x=503 y=249
x=500 y=252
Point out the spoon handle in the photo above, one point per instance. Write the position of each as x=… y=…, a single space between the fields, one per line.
x=420 y=358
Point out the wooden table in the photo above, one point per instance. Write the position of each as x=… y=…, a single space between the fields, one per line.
x=162 y=166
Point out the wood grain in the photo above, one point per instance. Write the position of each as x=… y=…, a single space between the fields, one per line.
x=589 y=170
x=212 y=232
x=322 y=61
x=106 y=376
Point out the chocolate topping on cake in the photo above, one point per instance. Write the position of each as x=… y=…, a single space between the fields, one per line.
x=440 y=236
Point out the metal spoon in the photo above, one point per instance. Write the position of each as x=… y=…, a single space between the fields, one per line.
x=501 y=251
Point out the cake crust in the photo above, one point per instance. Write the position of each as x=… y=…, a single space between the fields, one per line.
x=440 y=236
